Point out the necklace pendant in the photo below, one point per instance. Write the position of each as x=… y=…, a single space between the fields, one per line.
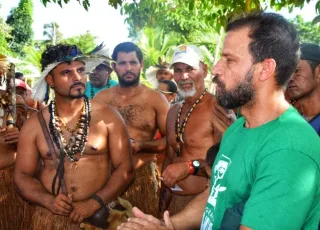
x=75 y=166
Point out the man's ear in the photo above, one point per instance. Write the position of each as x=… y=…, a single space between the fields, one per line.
x=49 y=80
x=317 y=73
x=142 y=64
x=205 y=70
x=113 y=64
x=268 y=69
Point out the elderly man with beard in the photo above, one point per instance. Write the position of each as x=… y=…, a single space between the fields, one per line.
x=193 y=126
x=269 y=158
x=99 y=79
x=144 y=111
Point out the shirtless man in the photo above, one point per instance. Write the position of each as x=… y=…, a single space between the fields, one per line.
x=192 y=129
x=304 y=86
x=144 y=111
x=15 y=213
x=92 y=144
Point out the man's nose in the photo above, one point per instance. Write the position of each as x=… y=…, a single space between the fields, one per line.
x=184 y=75
x=216 y=70
x=76 y=76
x=128 y=67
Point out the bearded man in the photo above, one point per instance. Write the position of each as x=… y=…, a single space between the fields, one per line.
x=144 y=111
x=93 y=165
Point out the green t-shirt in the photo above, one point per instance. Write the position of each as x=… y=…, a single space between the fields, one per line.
x=89 y=88
x=274 y=169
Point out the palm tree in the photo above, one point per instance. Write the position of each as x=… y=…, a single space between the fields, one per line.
x=51 y=31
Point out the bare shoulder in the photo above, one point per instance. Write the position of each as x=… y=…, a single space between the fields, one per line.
x=101 y=111
x=104 y=95
x=174 y=109
x=154 y=96
x=32 y=125
x=211 y=99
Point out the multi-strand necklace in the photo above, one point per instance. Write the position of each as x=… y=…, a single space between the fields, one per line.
x=92 y=91
x=179 y=131
x=79 y=134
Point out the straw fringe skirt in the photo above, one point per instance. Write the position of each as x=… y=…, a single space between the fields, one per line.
x=43 y=219
x=15 y=213
x=144 y=191
x=178 y=203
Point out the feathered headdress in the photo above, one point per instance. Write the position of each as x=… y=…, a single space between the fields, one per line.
x=151 y=72
x=56 y=55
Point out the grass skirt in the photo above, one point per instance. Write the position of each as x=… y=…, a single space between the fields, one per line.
x=43 y=219
x=15 y=212
x=144 y=191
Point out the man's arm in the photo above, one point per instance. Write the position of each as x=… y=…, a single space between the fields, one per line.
x=158 y=145
x=25 y=169
x=189 y=218
x=121 y=159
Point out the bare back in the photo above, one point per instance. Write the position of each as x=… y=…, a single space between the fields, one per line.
x=143 y=112
x=198 y=137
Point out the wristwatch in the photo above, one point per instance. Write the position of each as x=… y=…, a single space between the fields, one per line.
x=196 y=165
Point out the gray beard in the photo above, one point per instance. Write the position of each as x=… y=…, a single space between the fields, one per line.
x=188 y=93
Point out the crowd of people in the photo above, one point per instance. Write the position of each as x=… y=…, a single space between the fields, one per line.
x=89 y=159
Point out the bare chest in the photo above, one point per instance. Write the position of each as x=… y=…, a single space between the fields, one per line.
x=136 y=114
x=96 y=144
x=196 y=132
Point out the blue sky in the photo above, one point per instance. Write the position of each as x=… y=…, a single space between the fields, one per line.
x=101 y=20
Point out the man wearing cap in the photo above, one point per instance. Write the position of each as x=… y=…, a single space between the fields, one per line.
x=72 y=158
x=304 y=86
x=144 y=111
x=99 y=79
x=193 y=126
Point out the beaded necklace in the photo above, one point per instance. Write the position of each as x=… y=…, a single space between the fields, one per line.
x=91 y=88
x=77 y=142
x=179 y=131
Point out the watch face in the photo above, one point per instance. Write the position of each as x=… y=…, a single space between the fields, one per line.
x=196 y=163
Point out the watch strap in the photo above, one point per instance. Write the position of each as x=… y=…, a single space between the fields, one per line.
x=191 y=167
x=98 y=199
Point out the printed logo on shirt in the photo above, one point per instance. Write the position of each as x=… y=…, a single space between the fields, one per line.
x=218 y=173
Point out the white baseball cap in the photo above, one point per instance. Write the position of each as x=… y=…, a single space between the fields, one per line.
x=187 y=54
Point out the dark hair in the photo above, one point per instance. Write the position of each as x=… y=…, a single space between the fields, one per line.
x=212 y=153
x=18 y=75
x=171 y=85
x=313 y=65
x=274 y=37
x=127 y=47
x=59 y=53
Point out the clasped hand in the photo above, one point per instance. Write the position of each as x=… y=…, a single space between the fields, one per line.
x=77 y=211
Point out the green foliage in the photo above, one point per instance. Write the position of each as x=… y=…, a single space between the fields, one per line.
x=84 y=3
x=308 y=32
x=186 y=16
x=4 y=35
x=85 y=42
x=51 y=31
x=20 y=19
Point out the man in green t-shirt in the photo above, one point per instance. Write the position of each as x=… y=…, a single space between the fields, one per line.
x=99 y=79
x=269 y=159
